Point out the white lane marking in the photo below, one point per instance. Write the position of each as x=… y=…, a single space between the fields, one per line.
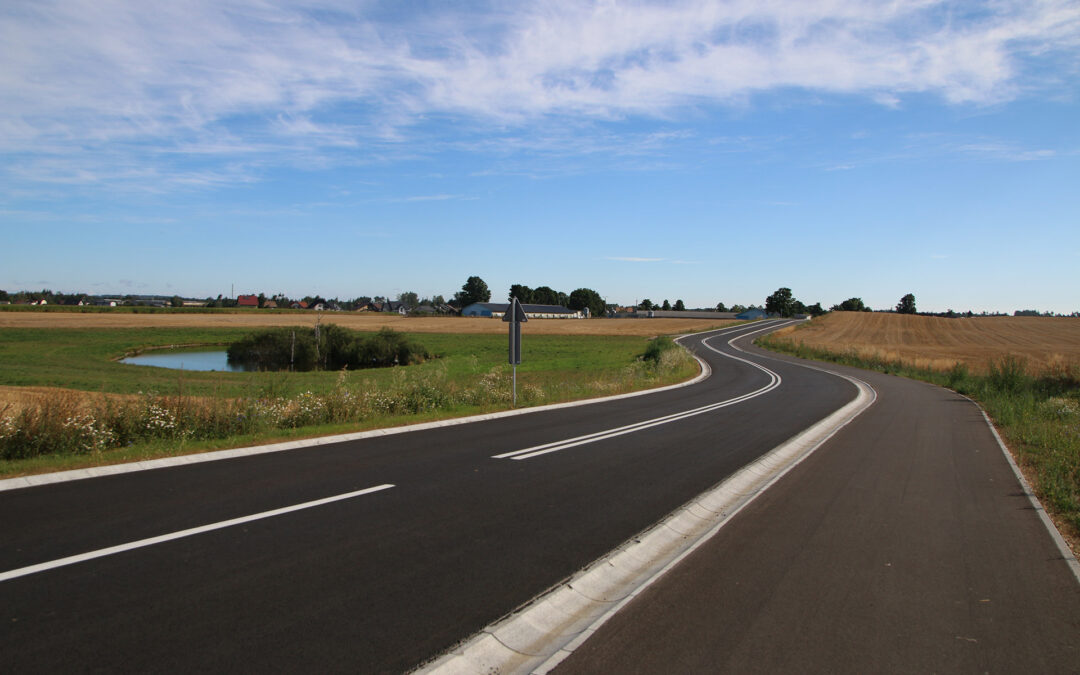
x=774 y=382
x=112 y=550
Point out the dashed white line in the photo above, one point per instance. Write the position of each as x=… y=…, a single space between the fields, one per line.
x=120 y=548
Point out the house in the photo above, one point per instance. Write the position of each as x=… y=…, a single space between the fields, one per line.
x=751 y=314
x=396 y=307
x=269 y=304
x=299 y=305
x=498 y=309
x=247 y=301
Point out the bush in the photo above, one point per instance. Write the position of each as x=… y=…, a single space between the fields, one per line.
x=334 y=348
x=656 y=348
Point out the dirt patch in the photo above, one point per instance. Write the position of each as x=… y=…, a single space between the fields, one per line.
x=356 y=321
x=1045 y=343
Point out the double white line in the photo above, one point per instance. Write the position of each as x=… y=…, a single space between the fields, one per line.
x=774 y=382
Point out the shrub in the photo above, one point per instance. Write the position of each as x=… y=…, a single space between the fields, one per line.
x=333 y=349
x=656 y=348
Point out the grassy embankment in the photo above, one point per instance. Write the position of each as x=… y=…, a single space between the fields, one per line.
x=110 y=412
x=1034 y=401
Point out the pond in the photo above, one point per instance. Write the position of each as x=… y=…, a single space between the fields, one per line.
x=182 y=359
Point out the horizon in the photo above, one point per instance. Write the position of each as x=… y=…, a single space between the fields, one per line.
x=703 y=151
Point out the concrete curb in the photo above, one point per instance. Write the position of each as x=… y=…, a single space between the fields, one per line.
x=130 y=467
x=539 y=636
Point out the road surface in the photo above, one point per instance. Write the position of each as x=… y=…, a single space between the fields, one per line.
x=905 y=544
x=377 y=555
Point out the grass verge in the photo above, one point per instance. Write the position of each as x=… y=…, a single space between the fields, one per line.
x=205 y=411
x=1037 y=413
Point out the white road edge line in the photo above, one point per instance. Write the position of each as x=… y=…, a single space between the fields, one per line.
x=555 y=446
x=121 y=548
x=539 y=636
x=1059 y=541
x=149 y=465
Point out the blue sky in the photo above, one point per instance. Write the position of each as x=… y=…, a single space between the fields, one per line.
x=703 y=151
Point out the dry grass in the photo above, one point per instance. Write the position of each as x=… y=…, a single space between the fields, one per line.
x=355 y=321
x=1045 y=344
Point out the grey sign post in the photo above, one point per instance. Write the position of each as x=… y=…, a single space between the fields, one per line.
x=515 y=316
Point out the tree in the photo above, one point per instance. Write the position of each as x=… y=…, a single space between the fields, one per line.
x=646 y=304
x=851 y=305
x=781 y=302
x=907 y=305
x=473 y=290
x=587 y=298
x=523 y=293
x=545 y=295
x=720 y=307
x=815 y=309
x=409 y=299
x=737 y=308
x=680 y=306
x=667 y=305
x=176 y=301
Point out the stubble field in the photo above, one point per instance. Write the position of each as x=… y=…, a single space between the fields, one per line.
x=934 y=343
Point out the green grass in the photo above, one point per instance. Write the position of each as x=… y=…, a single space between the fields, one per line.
x=177 y=412
x=85 y=359
x=1038 y=414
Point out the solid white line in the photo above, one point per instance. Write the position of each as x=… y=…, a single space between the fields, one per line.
x=774 y=382
x=112 y=550
x=1055 y=535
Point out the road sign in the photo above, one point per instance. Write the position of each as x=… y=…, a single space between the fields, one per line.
x=515 y=316
x=515 y=313
x=515 y=344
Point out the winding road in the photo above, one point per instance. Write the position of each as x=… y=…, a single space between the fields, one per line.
x=379 y=554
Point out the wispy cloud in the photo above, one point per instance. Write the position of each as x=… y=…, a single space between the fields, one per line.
x=318 y=80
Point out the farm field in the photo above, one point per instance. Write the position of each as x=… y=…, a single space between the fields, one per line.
x=356 y=321
x=934 y=343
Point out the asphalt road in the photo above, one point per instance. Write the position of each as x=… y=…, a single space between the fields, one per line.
x=374 y=581
x=905 y=544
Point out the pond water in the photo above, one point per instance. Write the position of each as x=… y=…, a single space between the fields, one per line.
x=179 y=359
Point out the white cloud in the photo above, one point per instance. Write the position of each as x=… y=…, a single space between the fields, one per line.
x=297 y=80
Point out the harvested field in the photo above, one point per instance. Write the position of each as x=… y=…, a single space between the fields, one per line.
x=15 y=399
x=355 y=321
x=1044 y=343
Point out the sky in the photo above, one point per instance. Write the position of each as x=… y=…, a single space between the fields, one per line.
x=703 y=151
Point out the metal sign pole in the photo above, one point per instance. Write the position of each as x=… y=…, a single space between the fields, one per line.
x=515 y=315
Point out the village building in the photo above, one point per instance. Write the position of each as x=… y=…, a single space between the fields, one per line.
x=496 y=310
